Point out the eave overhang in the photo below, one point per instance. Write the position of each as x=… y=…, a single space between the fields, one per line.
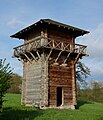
x=48 y=22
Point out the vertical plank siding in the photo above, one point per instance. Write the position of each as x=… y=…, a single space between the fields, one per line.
x=60 y=76
x=33 y=82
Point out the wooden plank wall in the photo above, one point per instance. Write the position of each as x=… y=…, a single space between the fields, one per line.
x=23 y=95
x=31 y=89
x=59 y=35
x=60 y=76
x=35 y=83
x=32 y=35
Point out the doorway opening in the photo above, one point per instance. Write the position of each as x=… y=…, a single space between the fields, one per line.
x=59 y=96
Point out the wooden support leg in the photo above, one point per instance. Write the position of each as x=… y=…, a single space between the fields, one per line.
x=28 y=58
x=58 y=56
x=49 y=54
x=65 y=60
x=33 y=56
x=77 y=58
x=38 y=54
x=55 y=63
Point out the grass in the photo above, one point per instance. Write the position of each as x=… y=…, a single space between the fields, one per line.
x=14 y=111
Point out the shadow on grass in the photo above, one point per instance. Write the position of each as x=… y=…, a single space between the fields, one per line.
x=82 y=102
x=11 y=114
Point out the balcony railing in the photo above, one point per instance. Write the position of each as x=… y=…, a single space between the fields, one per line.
x=42 y=42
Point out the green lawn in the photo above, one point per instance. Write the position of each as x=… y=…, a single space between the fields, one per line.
x=14 y=111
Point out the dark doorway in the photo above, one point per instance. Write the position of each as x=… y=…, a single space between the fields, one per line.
x=59 y=96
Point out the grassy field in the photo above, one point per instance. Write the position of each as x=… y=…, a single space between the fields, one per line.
x=14 y=111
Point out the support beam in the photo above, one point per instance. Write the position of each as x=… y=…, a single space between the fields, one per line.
x=28 y=58
x=58 y=56
x=38 y=54
x=66 y=58
x=49 y=54
x=76 y=58
x=64 y=63
x=33 y=56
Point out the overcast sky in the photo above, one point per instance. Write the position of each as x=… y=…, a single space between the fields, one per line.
x=86 y=14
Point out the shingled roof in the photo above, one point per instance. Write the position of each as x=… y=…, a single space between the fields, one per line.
x=77 y=31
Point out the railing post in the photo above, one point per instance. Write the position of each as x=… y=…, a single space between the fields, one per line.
x=53 y=44
x=62 y=45
x=42 y=38
x=71 y=48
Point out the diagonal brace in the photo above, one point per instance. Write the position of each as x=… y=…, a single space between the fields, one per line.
x=33 y=56
x=66 y=58
x=77 y=58
x=38 y=54
x=49 y=54
x=58 y=56
x=28 y=58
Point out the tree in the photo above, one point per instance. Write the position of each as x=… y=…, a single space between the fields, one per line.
x=82 y=72
x=97 y=91
x=5 y=75
x=15 y=84
x=93 y=92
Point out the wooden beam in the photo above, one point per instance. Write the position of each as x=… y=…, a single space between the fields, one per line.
x=38 y=54
x=64 y=65
x=66 y=58
x=58 y=56
x=49 y=54
x=33 y=56
x=28 y=58
x=77 y=58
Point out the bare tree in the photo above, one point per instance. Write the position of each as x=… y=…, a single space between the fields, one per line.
x=82 y=72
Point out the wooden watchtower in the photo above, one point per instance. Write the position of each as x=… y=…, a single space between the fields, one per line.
x=49 y=55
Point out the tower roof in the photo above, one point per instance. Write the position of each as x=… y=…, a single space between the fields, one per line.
x=47 y=22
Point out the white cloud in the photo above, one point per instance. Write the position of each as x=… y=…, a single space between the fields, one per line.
x=14 y=22
x=94 y=42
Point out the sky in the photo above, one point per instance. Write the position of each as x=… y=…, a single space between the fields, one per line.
x=86 y=14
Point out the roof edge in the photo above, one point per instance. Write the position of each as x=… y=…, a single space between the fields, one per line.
x=49 y=21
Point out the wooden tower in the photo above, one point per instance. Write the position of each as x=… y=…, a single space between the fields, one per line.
x=49 y=55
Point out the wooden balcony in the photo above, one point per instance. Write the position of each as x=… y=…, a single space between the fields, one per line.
x=42 y=42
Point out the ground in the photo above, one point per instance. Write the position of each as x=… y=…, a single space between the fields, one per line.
x=14 y=111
